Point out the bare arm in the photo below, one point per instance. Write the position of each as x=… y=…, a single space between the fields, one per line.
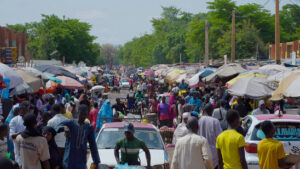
x=148 y=156
x=242 y=158
x=220 y=159
x=46 y=164
x=117 y=155
x=282 y=163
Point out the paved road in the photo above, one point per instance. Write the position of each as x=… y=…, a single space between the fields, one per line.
x=113 y=95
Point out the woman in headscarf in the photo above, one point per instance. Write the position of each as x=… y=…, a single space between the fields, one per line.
x=55 y=157
x=105 y=112
x=172 y=103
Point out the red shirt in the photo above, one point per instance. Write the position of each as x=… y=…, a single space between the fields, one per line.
x=93 y=117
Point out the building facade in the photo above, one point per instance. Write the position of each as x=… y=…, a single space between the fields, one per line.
x=285 y=50
x=12 y=38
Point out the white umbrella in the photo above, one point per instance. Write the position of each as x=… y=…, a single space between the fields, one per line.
x=195 y=79
x=278 y=68
x=281 y=75
x=288 y=87
x=254 y=87
x=9 y=73
x=225 y=71
x=21 y=89
x=97 y=88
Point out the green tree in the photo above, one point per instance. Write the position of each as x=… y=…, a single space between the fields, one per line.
x=290 y=22
x=70 y=37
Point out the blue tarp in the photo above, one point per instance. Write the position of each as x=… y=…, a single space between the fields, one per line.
x=5 y=92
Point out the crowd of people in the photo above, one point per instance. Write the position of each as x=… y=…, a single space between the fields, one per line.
x=51 y=131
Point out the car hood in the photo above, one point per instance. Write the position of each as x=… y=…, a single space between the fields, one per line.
x=107 y=157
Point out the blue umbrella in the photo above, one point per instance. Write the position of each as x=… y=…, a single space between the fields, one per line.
x=205 y=73
x=54 y=79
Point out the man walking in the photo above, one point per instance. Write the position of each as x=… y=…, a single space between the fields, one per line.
x=58 y=118
x=261 y=108
x=78 y=134
x=32 y=147
x=164 y=113
x=230 y=144
x=270 y=152
x=16 y=126
x=210 y=128
x=192 y=151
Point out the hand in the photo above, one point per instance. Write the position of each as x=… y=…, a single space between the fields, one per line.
x=96 y=166
x=14 y=136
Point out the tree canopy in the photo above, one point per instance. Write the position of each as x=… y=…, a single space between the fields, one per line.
x=177 y=33
x=69 y=37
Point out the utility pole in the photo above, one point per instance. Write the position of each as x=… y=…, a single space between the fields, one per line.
x=233 y=37
x=256 y=51
x=206 y=43
x=277 y=34
x=180 y=58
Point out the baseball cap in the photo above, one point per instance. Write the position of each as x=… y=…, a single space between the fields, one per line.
x=128 y=127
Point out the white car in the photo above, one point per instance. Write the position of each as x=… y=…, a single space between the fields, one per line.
x=124 y=83
x=287 y=131
x=110 y=133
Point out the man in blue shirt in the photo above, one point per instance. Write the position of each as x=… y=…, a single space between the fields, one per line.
x=196 y=101
x=78 y=134
x=183 y=85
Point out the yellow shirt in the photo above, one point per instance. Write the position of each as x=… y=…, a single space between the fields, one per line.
x=269 y=151
x=68 y=115
x=229 y=143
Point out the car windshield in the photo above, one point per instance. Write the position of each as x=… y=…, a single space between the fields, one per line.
x=124 y=81
x=285 y=131
x=108 y=138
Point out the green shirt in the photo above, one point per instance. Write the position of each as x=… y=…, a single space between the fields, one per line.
x=132 y=147
x=139 y=96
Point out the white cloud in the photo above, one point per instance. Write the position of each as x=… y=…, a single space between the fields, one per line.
x=93 y=14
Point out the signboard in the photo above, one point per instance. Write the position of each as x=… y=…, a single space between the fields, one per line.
x=9 y=55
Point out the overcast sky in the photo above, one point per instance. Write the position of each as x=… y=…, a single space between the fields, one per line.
x=113 y=21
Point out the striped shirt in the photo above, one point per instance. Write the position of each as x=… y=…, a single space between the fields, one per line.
x=130 y=150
